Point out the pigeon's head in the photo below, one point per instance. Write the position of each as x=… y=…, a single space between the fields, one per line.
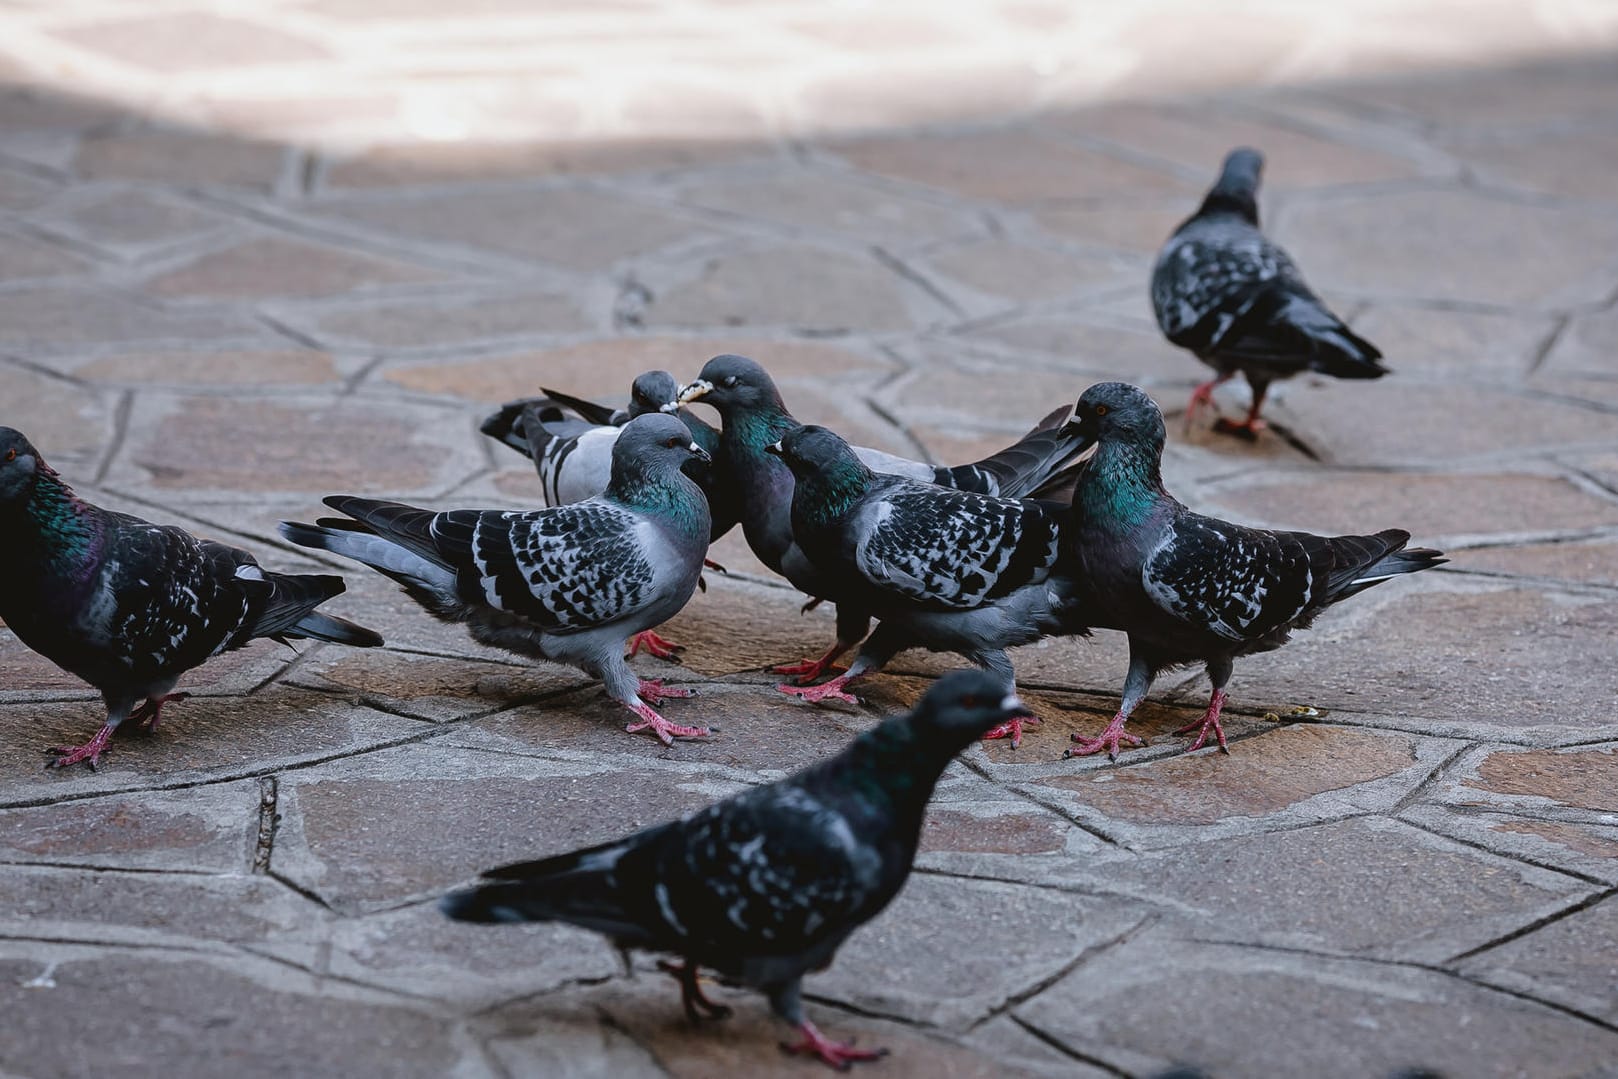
x=1237 y=187
x=653 y=391
x=961 y=706
x=19 y=464
x=732 y=382
x=653 y=442
x=1118 y=412
x=814 y=451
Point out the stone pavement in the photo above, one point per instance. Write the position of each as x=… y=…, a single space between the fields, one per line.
x=256 y=253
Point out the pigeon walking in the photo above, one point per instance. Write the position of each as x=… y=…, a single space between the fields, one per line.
x=1188 y=588
x=946 y=570
x=130 y=606
x=755 y=418
x=569 y=584
x=573 y=456
x=1222 y=290
x=766 y=885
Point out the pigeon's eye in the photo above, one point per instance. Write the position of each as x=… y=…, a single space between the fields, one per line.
x=728 y=381
x=970 y=701
x=11 y=454
x=672 y=443
x=1101 y=410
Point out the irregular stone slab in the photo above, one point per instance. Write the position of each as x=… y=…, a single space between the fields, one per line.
x=172 y=909
x=72 y=316
x=316 y=445
x=1006 y=1040
x=1346 y=1018
x=1011 y=831
x=576 y=228
x=201 y=740
x=1567 y=962
x=166 y=1015
x=1586 y=346
x=432 y=687
x=1443 y=342
x=1581 y=848
x=1551 y=163
x=1014 y=165
x=181 y=157
x=416 y=822
x=211 y=829
x=764 y=287
x=1094 y=349
x=1476 y=661
x=1012 y=948
x=1594 y=562
x=268 y=266
x=226 y=367
x=1300 y=772
x=1427 y=505
x=410 y=163
x=130 y=222
x=24 y=258
x=1562 y=92
x=425 y=322
x=1010 y=270
x=1580 y=778
x=1307 y=888
x=567 y=1034
x=1381 y=244
x=1138 y=226
x=70 y=423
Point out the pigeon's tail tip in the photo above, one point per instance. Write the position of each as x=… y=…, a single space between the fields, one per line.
x=476 y=905
x=327 y=627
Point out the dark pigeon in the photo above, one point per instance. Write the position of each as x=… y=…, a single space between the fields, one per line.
x=766 y=885
x=569 y=584
x=1188 y=588
x=130 y=606
x=946 y=570
x=1227 y=294
x=755 y=417
x=573 y=455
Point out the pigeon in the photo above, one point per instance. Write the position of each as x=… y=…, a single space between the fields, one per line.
x=570 y=583
x=1236 y=300
x=1188 y=588
x=940 y=569
x=766 y=885
x=130 y=606
x=573 y=456
x=755 y=417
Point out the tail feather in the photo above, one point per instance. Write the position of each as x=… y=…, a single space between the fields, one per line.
x=1364 y=561
x=531 y=425
x=429 y=582
x=1024 y=468
x=600 y=415
x=319 y=626
x=579 y=887
x=290 y=611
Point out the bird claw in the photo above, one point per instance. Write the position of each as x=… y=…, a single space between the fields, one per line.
x=89 y=753
x=654 y=691
x=1247 y=430
x=832 y=690
x=715 y=566
x=810 y=669
x=661 y=647
x=666 y=732
x=1011 y=728
x=1111 y=740
x=697 y=1006
x=1209 y=722
x=839 y=1055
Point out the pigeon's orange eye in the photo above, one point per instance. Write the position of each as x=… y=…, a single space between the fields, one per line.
x=672 y=443
x=1101 y=410
x=11 y=454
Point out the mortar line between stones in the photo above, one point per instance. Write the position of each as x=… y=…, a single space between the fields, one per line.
x=610 y=1021
x=1066 y=1050
x=584 y=981
x=1085 y=955
x=120 y=432
x=918 y=279
x=268 y=793
x=1537 y=924
x=1509 y=855
x=1435 y=775
x=1543 y=351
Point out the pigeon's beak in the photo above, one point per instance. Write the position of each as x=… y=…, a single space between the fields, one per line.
x=671 y=407
x=1014 y=708
x=775 y=449
x=701 y=454
x=1082 y=426
x=700 y=388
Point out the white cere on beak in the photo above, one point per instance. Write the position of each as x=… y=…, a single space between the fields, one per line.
x=697 y=389
x=1011 y=703
x=669 y=406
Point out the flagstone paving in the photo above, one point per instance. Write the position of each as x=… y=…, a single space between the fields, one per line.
x=274 y=249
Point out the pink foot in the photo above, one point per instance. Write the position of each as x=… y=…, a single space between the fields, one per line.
x=1200 y=397
x=655 y=692
x=810 y=669
x=661 y=647
x=815 y=694
x=715 y=566
x=1209 y=722
x=838 y=1055
x=1011 y=728
x=150 y=714
x=666 y=732
x=89 y=751
x=1112 y=738
x=1248 y=429
x=697 y=1006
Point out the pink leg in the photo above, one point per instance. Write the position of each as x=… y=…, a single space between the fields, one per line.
x=1202 y=395
x=150 y=714
x=1250 y=427
x=715 y=566
x=1012 y=728
x=1209 y=722
x=1110 y=740
x=89 y=751
x=655 y=692
x=810 y=669
x=816 y=694
x=661 y=647
x=836 y=1054
x=691 y=995
x=666 y=732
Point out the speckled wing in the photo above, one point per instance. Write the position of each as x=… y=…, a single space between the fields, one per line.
x=1239 y=583
x=774 y=871
x=949 y=548
x=566 y=569
x=1211 y=279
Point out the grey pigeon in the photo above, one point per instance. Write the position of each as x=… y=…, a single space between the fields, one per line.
x=130 y=606
x=1188 y=588
x=755 y=417
x=573 y=456
x=569 y=584
x=1223 y=291
x=766 y=885
x=946 y=570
